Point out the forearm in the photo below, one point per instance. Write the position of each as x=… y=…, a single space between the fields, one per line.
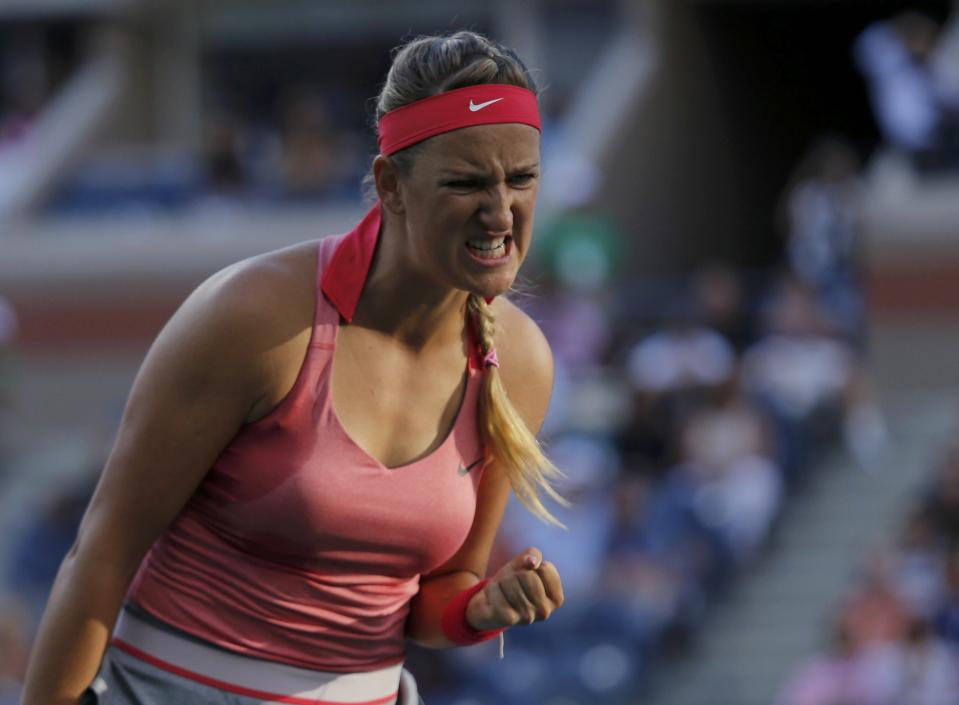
x=74 y=632
x=426 y=608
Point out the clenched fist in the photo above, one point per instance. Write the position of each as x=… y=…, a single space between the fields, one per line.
x=525 y=590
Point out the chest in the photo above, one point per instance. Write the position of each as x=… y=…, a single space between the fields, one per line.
x=298 y=488
x=396 y=406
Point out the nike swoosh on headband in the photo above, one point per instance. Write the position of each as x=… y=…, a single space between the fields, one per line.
x=463 y=471
x=479 y=106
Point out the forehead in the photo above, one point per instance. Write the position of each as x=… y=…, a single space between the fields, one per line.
x=505 y=146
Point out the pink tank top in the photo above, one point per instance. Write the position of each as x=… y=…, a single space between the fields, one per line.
x=299 y=547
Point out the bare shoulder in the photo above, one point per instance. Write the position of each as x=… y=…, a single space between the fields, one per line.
x=265 y=285
x=253 y=318
x=526 y=361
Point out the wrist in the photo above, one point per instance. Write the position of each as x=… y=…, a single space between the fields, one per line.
x=472 y=607
x=457 y=627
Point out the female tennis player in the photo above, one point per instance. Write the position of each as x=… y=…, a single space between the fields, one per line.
x=317 y=451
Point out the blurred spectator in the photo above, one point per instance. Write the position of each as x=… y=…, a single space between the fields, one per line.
x=720 y=301
x=645 y=590
x=919 y=565
x=844 y=675
x=947 y=612
x=24 y=84
x=225 y=146
x=944 y=61
x=682 y=356
x=672 y=371
x=576 y=324
x=821 y=212
x=727 y=449
x=913 y=114
x=943 y=501
x=580 y=250
x=928 y=669
x=809 y=379
x=875 y=614
x=312 y=160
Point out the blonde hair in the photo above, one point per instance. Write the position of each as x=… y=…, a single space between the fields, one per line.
x=427 y=66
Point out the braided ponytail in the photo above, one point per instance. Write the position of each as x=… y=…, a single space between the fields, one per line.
x=508 y=439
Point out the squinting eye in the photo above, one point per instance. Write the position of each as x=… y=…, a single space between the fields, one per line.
x=522 y=179
x=462 y=184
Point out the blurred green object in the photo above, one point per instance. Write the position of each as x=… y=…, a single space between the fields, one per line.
x=581 y=249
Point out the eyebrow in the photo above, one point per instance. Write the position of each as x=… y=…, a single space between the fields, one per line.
x=474 y=174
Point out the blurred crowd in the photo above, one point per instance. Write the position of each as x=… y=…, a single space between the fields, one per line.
x=685 y=414
x=895 y=636
x=292 y=150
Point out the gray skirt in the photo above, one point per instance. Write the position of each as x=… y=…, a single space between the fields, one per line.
x=125 y=679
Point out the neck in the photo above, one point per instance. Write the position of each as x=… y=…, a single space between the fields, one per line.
x=404 y=303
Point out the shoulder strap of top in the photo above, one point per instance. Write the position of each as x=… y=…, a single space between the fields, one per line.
x=326 y=317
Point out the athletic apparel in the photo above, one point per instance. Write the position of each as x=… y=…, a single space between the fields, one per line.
x=127 y=680
x=485 y=104
x=149 y=663
x=299 y=547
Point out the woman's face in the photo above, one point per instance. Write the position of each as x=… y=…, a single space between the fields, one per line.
x=468 y=203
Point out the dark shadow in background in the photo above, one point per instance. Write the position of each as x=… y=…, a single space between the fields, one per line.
x=746 y=87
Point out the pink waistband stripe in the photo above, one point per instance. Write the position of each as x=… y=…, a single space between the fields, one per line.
x=254 y=678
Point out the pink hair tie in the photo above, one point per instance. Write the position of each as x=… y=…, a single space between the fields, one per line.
x=490 y=359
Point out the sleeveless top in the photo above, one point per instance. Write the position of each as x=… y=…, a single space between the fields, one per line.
x=300 y=547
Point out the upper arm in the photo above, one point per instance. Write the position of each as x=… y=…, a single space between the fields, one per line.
x=526 y=367
x=204 y=372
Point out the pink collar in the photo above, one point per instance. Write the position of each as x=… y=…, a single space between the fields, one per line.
x=347 y=270
x=346 y=273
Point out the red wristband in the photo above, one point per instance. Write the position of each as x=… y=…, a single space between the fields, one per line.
x=455 y=626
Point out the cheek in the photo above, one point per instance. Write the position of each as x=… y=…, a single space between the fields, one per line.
x=525 y=208
x=437 y=236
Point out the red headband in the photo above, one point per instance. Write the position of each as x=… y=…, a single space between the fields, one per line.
x=486 y=104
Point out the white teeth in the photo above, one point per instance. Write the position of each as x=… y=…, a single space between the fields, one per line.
x=486 y=244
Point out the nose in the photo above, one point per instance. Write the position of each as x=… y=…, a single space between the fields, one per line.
x=496 y=210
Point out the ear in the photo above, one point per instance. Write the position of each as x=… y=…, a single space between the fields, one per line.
x=387 y=180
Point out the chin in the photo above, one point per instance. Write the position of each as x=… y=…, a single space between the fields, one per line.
x=493 y=286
